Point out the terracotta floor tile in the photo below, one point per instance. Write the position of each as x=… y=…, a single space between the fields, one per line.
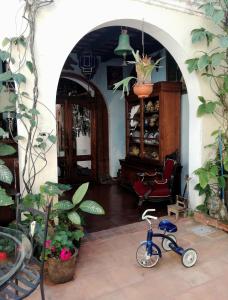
x=107 y=268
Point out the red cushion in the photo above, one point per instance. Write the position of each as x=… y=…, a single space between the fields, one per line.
x=161 y=190
x=168 y=169
x=140 y=188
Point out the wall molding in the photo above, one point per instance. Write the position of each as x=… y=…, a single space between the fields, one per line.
x=187 y=6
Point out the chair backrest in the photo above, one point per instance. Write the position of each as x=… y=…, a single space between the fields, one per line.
x=168 y=168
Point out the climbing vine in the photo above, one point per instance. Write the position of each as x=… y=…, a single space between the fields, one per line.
x=18 y=53
x=212 y=64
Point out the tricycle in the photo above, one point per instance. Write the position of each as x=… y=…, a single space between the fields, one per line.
x=149 y=253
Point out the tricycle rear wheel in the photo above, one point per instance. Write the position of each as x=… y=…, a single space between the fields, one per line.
x=166 y=242
x=189 y=257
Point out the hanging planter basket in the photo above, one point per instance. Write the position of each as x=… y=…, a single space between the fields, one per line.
x=143 y=90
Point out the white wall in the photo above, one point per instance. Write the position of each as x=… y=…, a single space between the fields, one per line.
x=61 y=25
x=184 y=154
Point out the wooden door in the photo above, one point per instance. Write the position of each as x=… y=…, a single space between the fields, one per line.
x=76 y=126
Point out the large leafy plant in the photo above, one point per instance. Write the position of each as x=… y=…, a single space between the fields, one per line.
x=213 y=65
x=70 y=211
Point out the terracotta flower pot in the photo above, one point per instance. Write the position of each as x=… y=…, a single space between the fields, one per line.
x=61 y=271
x=143 y=90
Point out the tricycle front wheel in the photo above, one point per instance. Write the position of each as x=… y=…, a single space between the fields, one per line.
x=144 y=259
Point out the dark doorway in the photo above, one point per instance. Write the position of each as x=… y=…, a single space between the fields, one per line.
x=120 y=205
x=82 y=130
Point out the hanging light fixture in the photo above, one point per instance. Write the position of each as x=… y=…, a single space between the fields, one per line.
x=124 y=48
x=88 y=64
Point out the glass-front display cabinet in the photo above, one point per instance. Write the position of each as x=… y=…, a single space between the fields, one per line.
x=152 y=129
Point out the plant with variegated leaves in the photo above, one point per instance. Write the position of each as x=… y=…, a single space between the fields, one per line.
x=70 y=211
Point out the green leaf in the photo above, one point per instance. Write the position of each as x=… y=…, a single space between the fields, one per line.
x=6 y=175
x=43 y=145
x=22 y=107
x=32 y=122
x=125 y=83
x=25 y=94
x=218 y=16
x=192 y=64
x=80 y=193
x=201 y=110
x=5 y=42
x=223 y=41
x=221 y=181
x=74 y=217
x=203 y=179
x=19 y=138
x=34 y=111
x=22 y=41
x=225 y=162
x=4 y=55
x=29 y=65
x=209 y=9
x=19 y=78
x=6 y=76
x=203 y=62
x=92 y=207
x=60 y=186
x=5 y=200
x=210 y=107
x=225 y=84
x=52 y=138
x=6 y=150
x=63 y=205
x=2 y=131
x=198 y=35
x=13 y=98
x=214 y=171
x=2 y=162
x=9 y=108
x=216 y=59
x=201 y=99
x=78 y=235
x=39 y=140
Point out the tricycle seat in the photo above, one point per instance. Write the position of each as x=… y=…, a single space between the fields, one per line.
x=167 y=226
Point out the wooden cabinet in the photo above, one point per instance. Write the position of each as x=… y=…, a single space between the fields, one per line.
x=152 y=130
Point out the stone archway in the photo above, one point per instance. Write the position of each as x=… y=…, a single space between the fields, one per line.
x=170 y=27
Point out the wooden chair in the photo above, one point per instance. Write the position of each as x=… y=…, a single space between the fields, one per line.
x=179 y=207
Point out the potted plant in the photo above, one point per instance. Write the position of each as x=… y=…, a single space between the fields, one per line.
x=61 y=254
x=144 y=67
x=64 y=236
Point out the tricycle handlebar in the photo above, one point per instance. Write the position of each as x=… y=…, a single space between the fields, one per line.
x=147 y=217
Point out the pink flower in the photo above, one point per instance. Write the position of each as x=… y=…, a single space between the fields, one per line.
x=53 y=248
x=48 y=244
x=65 y=254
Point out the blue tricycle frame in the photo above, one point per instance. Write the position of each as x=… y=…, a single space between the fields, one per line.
x=149 y=253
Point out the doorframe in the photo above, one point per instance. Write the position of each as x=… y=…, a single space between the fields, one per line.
x=102 y=132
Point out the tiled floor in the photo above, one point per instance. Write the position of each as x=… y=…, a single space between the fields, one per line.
x=107 y=268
